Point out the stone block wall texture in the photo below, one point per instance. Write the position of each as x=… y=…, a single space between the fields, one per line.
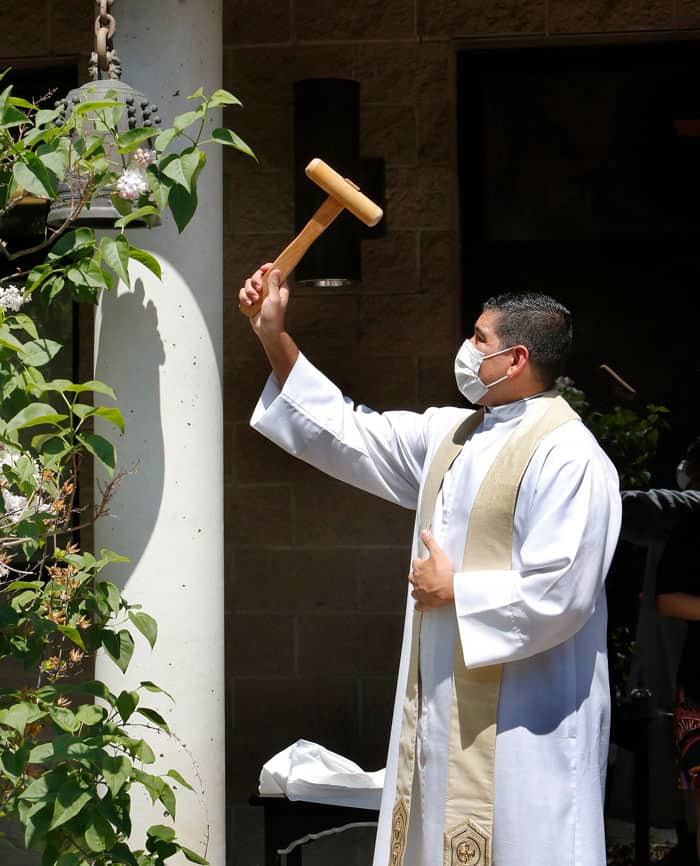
x=316 y=571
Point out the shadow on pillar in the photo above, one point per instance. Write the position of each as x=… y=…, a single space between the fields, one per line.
x=129 y=355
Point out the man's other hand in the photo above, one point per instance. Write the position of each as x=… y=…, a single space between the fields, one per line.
x=432 y=579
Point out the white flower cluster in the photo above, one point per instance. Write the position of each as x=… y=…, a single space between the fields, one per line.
x=12 y=298
x=131 y=184
x=144 y=158
x=15 y=504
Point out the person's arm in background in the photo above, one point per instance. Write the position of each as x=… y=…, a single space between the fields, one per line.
x=679 y=605
x=678 y=574
x=648 y=515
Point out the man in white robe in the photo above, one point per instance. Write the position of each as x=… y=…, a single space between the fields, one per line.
x=544 y=619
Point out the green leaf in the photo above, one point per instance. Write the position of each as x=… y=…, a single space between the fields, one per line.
x=223 y=97
x=182 y=168
x=139 y=213
x=121 y=853
x=89 y=714
x=152 y=687
x=9 y=115
x=97 y=689
x=111 y=414
x=25 y=322
x=167 y=798
x=120 y=648
x=88 y=274
x=126 y=704
x=115 y=252
x=99 y=834
x=69 y=860
x=147 y=260
x=73 y=634
x=111 y=595
x=41 y=754
x=12 y=764
x=36 y=822
x=24 y=584
x=33 y=176
x=146 y=625
x=129 y=140
x=7 y=339
x=100 y=448
x=64 y=718
x=154 y=717
x=159 y=186
x=16 y=717
x=36 y=353
x=178 y=778
x=192 y=857
x=230 y=139
x=182 y=121
x=165 y=138
x=21 y=103
x=55 y=156
x=160 y=831
x=92 y=385
x=45 y=787
x=153 y=784
x=53 y=450
x=183 y=205
x=107 y=556
x=199 y=92
x=123 y=205
x=45 y=115
x=144 y=752
x=34 y=414
x=116 y=769
x=96 y=105
x=89 y=145
x=62 y=747
x=73 y=242
x=70 y=801
x=53 y=286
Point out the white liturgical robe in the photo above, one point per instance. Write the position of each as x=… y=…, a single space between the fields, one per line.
x=544 y=619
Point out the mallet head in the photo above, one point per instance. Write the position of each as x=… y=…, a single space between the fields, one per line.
x=344 y=192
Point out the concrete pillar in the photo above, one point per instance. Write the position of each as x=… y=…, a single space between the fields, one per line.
x=159 y=345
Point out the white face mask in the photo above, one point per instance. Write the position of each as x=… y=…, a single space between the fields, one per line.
x=467 y=366
x=682 y=476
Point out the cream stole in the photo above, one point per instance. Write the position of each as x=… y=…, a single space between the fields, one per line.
x=468 y=830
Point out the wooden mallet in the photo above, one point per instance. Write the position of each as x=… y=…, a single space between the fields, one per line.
x=343 y=194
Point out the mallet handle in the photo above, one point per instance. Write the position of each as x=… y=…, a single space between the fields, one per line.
x=291 y=255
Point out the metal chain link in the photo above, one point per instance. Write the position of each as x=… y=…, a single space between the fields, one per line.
x=105 y=58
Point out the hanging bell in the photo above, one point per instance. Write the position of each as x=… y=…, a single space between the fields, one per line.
x=99 y=212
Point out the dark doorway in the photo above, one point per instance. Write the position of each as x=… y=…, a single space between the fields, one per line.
x=44 y=85
x=579 y=177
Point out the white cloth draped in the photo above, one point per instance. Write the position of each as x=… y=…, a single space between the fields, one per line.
x=310 y=772
x=545 y=619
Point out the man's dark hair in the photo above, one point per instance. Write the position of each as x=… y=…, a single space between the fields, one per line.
x=539 y=322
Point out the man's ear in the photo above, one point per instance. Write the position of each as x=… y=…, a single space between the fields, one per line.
x=521 y=358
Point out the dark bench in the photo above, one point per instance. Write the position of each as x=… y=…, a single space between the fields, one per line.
x=289 y=825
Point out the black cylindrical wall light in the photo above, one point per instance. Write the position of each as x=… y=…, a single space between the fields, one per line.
x=327 y=125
